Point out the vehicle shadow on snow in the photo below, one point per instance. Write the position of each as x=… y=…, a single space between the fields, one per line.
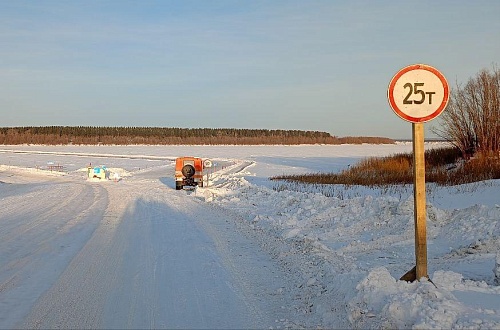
x=174 y=274
x=167 y=181
x=170 y=183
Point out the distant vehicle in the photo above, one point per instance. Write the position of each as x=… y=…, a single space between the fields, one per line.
x=98 y=172
x=188 y=172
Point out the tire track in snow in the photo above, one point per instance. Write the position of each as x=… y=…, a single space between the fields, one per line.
x=26 y=215
x=33 y=247
x=76 y=300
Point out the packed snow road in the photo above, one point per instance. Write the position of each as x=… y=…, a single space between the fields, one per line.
x=128 y=254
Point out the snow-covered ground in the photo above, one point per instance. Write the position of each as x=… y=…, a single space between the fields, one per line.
x=244 y=252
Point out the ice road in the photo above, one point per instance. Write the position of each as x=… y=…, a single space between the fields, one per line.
x=133 y=254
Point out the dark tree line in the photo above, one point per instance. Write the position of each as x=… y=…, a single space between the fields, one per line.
x=169 y=135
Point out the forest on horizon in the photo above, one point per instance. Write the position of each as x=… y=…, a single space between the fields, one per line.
x=63 y=135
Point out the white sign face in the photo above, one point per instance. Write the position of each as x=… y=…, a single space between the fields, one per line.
x=207 y=163
x=418 y=93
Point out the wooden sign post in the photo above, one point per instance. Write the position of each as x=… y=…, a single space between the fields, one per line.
x=418 y=93
x=419 y=208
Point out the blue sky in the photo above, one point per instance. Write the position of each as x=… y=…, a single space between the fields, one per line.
x=309 y=65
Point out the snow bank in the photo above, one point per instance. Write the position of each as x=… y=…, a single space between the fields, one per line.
x=371 y=238
x=384 y=302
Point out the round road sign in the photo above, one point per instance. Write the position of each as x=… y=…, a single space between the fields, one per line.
x=207 y=163
x=418 y=93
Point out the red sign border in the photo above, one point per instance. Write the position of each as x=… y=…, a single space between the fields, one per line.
x=442 y=106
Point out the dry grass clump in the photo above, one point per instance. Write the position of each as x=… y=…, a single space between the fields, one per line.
x=480 y=168
x=443 y=166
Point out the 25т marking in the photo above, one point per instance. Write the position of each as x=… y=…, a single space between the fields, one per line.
x=414 y=89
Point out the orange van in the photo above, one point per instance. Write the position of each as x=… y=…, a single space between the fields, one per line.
x=188 y=172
